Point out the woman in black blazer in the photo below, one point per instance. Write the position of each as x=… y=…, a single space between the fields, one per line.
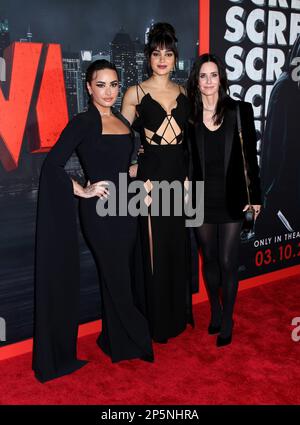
x=217 y=160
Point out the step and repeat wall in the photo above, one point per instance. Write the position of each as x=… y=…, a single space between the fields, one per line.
x=45 y=49
x=259 y=42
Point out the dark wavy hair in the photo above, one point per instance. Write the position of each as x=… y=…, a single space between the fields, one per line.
x=161 y=35
x=98 y=65
x=194 y=94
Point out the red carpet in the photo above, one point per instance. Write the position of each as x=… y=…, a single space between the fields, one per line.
x=261 y=366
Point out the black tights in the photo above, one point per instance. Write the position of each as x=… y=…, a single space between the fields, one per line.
x=220 y=247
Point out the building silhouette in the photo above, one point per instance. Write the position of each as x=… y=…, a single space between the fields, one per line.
x=148 y=30
x=141 y=63
x=28 y=38
x=124 y=57
x=86 y=58
x=73 y=83
x=4 y=35
x=101 y=56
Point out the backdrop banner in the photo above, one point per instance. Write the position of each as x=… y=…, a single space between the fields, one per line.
x=42 y=70
x=259 y=42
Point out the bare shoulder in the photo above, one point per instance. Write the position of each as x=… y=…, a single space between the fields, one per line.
x=146 y=84
x=130 y=96
x=182 y=89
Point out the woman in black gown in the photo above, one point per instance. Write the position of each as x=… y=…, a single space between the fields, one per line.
x=104 y=143
x=161 y=110
x=217 y=159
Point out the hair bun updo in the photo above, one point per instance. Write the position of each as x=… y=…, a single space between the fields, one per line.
x=161 y=29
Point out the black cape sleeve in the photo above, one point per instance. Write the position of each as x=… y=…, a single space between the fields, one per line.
x=57 y=263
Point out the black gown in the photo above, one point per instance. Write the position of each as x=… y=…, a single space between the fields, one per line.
x=168 y=279
x=113 y=240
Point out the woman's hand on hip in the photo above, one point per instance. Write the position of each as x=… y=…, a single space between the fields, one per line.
x=96 y=189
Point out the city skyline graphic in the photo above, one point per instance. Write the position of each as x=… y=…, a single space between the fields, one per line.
x=122 y=43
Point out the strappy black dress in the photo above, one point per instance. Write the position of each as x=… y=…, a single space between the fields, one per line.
x=168 y=275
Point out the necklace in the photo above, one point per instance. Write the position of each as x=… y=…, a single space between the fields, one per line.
x=210 y=110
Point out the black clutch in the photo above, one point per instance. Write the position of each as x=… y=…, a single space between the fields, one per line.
x=249 y=214
x=248 y=223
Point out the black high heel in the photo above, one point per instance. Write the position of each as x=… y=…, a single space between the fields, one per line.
x=160 y=341
x=212 y=330
x=147 y=358
x=222 y=341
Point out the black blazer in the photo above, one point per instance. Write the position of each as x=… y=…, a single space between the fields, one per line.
x=235 y=186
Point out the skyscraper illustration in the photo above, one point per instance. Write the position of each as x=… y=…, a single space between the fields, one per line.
x=73 y=83
x=123 y=56
x=4 y=35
